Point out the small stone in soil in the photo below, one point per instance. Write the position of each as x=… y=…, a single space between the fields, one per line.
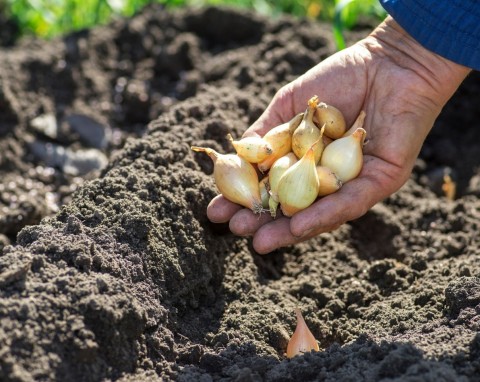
x=71 y=162
x=93 y=133
x=46 y=124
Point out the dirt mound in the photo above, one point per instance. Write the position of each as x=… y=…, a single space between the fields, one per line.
x=125 y=278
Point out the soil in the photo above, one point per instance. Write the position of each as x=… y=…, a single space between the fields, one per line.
x=110 y=269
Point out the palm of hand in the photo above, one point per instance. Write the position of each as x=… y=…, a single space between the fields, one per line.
x=396 y=97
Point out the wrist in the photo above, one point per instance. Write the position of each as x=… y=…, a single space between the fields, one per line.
x=391 y=42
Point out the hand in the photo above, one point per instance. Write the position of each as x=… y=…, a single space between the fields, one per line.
x=401 y=86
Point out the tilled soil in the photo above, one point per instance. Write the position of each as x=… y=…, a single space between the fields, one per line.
x=110 y=269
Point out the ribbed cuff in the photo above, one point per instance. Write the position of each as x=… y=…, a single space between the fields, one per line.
x=450 y=28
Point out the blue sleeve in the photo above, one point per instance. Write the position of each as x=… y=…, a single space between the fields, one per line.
x=450 y=28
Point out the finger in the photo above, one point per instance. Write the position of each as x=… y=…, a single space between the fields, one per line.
x=278 y=111
x=221 y=210
x=353 y=200
x=273 y=235
x=277 y=234
x=267 y=121
x=246 y=223
x=332 y=210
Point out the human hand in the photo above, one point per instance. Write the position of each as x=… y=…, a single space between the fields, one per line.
x=401 y=86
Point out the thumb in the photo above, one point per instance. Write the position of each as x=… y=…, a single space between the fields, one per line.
x=267 y=121
x=278 y=111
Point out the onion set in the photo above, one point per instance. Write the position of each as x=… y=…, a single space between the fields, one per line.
x=274 y=176
x=293 y=198
x=299 y=161
x=307 y=133
x=302 y=340
x=332 y=118
x=236 y=179
x=280 y=140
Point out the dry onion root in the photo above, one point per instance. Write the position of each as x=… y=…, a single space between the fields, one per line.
x=308 y=157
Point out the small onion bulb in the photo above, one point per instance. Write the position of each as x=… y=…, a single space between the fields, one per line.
x=276 y=172
x=236 y=179
x=344 y=156
x=329 y=182
x=302 y=340
x=333 y=120
x=280 y=139
x=307 y=133
x=253 y=149
x=298 y=187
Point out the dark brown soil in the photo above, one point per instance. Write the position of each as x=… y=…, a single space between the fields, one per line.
x=116 y=273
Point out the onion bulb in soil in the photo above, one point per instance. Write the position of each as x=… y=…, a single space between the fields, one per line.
x=302 y=340
x=280 y=139
x=307 y=133
x=298 y=187
x=344 y=156
x=253 y=149
x=236 y=178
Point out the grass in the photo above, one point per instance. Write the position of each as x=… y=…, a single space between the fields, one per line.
x=48 y=18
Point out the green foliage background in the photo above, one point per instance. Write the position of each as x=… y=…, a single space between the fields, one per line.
x=48 y=18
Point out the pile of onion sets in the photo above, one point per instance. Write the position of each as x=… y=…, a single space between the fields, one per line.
x=310 y=156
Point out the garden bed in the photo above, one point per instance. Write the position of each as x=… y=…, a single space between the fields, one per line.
x=117 y=274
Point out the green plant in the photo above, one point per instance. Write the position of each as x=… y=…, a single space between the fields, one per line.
x=47 y=18
x=347 y=13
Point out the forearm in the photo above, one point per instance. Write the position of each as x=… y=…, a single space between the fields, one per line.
x=441 y=75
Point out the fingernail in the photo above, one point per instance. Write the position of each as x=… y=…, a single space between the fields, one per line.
x=304 y=233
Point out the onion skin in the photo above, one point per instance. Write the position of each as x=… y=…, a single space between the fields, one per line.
x=344 y=156
x=264 y=187
x=326 y=140
x=302 y=340
x=329 y=182
x=332 y=118
x=307 y=133
x=280 y=139
x=236 y=179
x=298 y=187
x=252 y=149
x=276 y=172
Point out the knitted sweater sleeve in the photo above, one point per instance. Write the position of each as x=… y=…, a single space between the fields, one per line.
x=450 y=28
